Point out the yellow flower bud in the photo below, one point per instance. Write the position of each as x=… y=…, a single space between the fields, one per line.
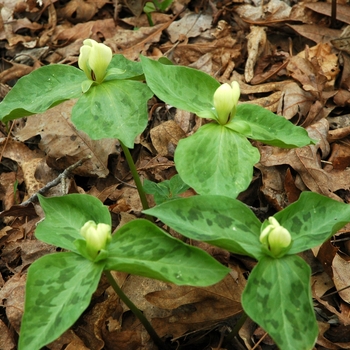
x=275 y=238
x=97 y=237
x=94 y=59
x=225 y=101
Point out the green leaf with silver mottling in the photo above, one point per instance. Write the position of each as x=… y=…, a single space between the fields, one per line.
x=216 y=160
x=312 y=220
x=278 y=298
x=166 y=190
x=115 y=109
x=218 y=220
x=40 y=90
x=182 y=87
x=142 y=248
x=267 y=127
x=59 y=288
x=127 y=69
x=66 y=215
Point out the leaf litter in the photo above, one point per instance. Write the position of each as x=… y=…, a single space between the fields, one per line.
x=287 y=57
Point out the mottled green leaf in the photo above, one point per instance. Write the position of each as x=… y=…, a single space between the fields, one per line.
x=216 y=160
x=59 y=288
x=41 y=89
x=182 y=87
x=129 y=69
x=114 y=109
x=64 y=217
x=312 y=220
x=165 y=190
x=142 y=248
x=278 y=298
x=218 y=220
x=265 y=126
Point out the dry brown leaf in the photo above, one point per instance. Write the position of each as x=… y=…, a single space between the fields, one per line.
x=132 y=43
x=316 y=33
x=132 y=197
x=273 y=186
x=344 y=319
x=294 y=101
x=68 y=341
x=306 y=161
x=321 y=283
x=340 y=156
x=338 y=134
x=28 y=161
x=7 y=339
x=190 y=25
x=158 y=166
x=342 y=98
x=12 y=296
x=184 y=119
x=306 y=73
x=271 y=11
x=64 y=145
x=7 y=189
x=325 y=254
x=120 y=325
x=327 y=62
x=49 y=27
x=256 y=46
x=269 y=65
x=326 y=9
x=322 y=340
x=247 y=89
x=80 y=10
x=82 y=31
x=270 y=102
x=28 y=250
x=341 y=277
x=135 y=6
x=142 y=21
x=215 y=52
x=342 y=44
x=197 y=307
x=15 y=72
x=300 y=13
x=166 y=136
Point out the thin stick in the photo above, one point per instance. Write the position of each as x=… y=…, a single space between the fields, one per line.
x=137 y=312
x=236 y=328
x=56 y=181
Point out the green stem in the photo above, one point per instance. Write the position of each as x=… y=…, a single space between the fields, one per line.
x=137 y=312
x=236 y=328
x=135 y=175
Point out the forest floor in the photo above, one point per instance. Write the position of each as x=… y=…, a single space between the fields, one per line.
x=290 y=57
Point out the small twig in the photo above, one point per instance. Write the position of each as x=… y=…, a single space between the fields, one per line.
x=337 y=291
x=334 y=13
x=6 y=141
x=260 y=340
x=237 y=327
x=56 y=181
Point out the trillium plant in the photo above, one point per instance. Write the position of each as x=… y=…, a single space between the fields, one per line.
x=217 y=162
x=278 y=294
x=218 y=158
x=59 y=286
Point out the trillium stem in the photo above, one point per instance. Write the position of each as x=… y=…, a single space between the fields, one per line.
x=137 y=312
x=135 y=175
x=236 y=328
